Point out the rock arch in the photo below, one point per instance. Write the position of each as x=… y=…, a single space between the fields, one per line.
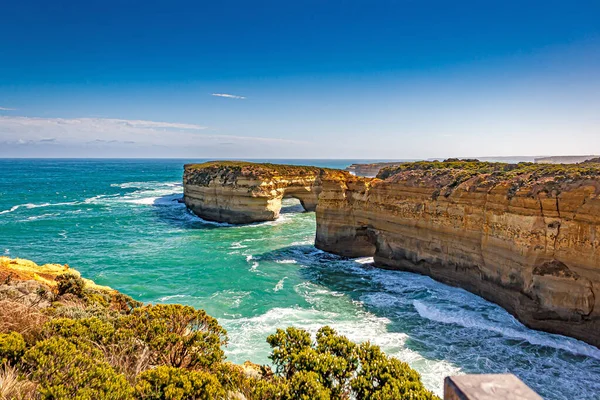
x=240 y=192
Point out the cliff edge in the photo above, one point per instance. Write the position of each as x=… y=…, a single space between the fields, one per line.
x=525 y=236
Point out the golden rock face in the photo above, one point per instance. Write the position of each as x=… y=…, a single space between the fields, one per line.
x=529 y=243
x=525 y=236
x=241 y=192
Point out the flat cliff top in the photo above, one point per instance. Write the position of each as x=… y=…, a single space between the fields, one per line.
x=203 y=173
x=373 y=165
x=564 y=159
x=451 y=173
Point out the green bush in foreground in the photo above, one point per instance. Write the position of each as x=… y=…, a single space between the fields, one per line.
x=12 y=347
x=64 y=370
x=336 y=368
x=98 y=345
x=177 y=383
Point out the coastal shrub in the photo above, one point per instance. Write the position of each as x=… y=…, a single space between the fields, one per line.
x=381 y=377
x=177 y=335
x=307 y=386
x=12 y=347
x=89 y=329
x=272 y=389
x=97 y=297
x=69 y=284
x=169 y=383
x=64 y=369
x=234 y=378
x=336 y=368
x=123 y=351
x=123 y=303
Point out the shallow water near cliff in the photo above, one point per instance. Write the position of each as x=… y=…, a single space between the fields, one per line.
x=119 y=223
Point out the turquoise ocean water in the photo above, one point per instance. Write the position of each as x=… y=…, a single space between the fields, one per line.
x=116 y=221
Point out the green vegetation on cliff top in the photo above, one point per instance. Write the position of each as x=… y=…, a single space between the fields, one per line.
x=587 y=169
x=549 y=178
x=229 y=171
x=73 y=341
x=501 y=171
x=247 y=167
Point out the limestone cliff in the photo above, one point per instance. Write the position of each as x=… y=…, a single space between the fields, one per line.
x=242 y=192
x=525 y=236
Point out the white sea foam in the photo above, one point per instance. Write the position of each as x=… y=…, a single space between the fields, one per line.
x=279 y=285
x=97 y=199
x=230 y=298
x=286 y=261
x=30 y=205
x=144 y=201
x=175 y=296
x=247 y=337
x=42 y=216
x=475 y=320
x=13 y=208
x=146 y=185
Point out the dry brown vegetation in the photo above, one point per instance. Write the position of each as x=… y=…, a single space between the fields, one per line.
x=14 y=388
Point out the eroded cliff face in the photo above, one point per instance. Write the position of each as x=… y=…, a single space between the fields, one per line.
x=525 y=237
x=241 y=192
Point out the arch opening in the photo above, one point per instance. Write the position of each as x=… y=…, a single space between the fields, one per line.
x=291 y=205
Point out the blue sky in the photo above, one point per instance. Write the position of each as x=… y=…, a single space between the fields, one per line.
x=313 y=79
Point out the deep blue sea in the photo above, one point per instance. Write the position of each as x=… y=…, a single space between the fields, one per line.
x=116 y=221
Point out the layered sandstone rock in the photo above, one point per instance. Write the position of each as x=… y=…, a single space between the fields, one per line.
x=526 y=237
x=242 y=192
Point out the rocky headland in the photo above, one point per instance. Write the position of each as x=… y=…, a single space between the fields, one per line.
x=242 y=192
x=525 y=236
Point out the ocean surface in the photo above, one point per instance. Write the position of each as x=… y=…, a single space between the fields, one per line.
x=116 y=221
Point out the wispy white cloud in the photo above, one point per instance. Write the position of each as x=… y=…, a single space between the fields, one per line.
x=7 y=109
x=89 y=131
x=229 y=96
